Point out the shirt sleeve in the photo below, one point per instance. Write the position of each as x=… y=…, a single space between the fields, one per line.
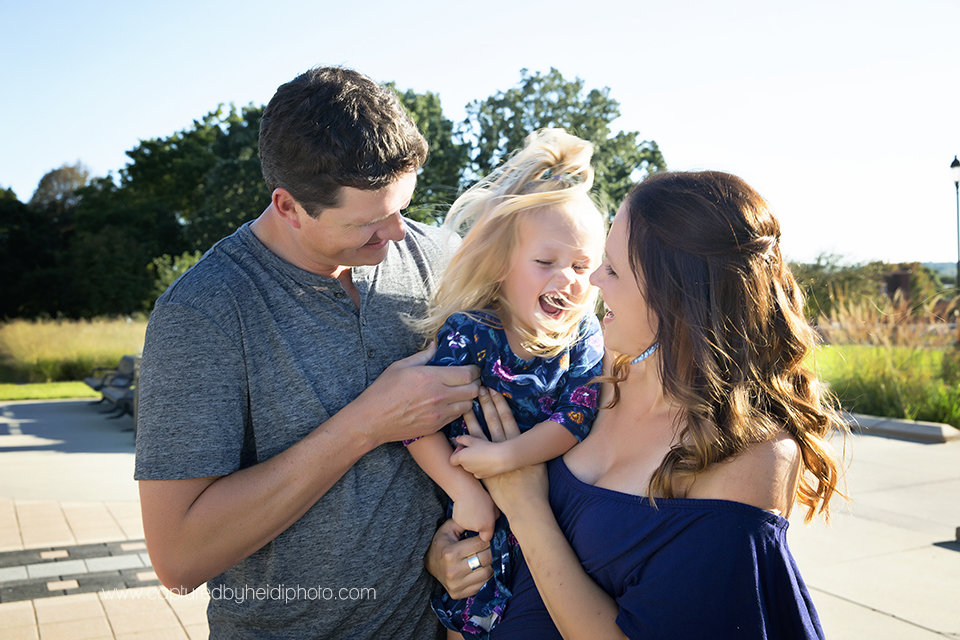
x=457 y=342
x=576 y=408
x=723 y=580
x=192 y=398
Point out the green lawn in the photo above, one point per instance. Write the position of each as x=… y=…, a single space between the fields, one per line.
x=46 y=391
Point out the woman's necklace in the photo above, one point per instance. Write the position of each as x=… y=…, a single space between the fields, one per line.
x=646 y=354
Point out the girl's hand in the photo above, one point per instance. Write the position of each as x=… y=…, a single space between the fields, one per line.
x=481 y=457
x=515 y=491
x=474 y=511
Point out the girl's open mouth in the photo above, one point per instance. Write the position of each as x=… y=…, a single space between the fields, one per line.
x=553 y=304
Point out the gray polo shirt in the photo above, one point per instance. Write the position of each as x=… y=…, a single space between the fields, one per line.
x=244 y=356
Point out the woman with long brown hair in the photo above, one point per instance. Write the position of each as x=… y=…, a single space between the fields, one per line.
x=669 y=520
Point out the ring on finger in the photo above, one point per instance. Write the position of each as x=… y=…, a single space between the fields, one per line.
x=473 y=562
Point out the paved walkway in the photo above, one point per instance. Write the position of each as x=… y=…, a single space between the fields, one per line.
x=73 y=564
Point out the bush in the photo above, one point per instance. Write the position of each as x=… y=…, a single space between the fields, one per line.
x=56 y=350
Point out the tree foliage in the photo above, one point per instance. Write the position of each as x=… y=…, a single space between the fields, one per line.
x=440 y=179
x=85 y=248
x=31 y=278
x=499 y=124
x=829 y=279
x=58 y=189
x=166 y=269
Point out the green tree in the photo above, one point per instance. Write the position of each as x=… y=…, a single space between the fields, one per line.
x=31 y=277
x=58 y=189
x=119 y=232
x=829 y=278
x=233 y=189
x=176 y=192
x=166 y=269
x=925 y=284
x=34 y=239
x=499 y=124
x=441 y=177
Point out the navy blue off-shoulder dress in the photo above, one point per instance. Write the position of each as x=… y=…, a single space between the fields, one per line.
x=686 y=569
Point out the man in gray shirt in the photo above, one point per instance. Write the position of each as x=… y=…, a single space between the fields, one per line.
x=277 y=381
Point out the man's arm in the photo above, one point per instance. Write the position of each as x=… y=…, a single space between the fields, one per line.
x=197 y=528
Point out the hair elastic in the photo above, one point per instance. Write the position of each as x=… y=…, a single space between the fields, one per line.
x=646 y=354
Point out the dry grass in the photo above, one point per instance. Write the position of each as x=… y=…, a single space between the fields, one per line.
x=54 y=350
x=891 y=323
x=893 y=359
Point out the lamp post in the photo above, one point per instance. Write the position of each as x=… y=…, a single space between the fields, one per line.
x=955 y=170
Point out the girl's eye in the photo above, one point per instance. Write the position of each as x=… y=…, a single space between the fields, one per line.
x=609 y=270
x=545 y=263
x=580 y=268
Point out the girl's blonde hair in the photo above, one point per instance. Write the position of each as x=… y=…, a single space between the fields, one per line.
x=552 y=175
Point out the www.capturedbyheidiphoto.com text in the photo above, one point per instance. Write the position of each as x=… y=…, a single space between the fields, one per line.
x=281 y=592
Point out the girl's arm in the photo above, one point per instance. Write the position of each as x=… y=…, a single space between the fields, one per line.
x=473 y=509
x=578 y=606
x=482 y=458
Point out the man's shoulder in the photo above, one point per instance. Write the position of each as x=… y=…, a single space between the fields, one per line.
x=430 y=240
x=215 y=272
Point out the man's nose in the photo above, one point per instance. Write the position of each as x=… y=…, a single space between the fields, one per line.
x=393 y=228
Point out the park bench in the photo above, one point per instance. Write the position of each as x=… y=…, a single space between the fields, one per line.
x=121 y=375
x=117 y=386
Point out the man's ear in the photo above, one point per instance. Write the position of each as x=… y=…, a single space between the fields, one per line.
x=288 y=208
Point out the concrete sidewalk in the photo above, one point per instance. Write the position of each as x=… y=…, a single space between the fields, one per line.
x=888 y=566
x=72 y=563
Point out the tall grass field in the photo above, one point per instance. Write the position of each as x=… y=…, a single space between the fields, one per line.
x=59 y=351
x=893 y=359
x=890 y=360
x=894 y=382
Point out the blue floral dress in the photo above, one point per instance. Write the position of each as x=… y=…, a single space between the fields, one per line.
x=540 y=389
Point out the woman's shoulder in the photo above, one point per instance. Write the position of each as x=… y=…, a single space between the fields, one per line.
x=764 y=475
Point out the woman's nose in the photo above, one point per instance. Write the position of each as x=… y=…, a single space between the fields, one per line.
x=595 y=277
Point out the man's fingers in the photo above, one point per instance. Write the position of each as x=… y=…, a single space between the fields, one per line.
x=458 y=376
x=418 y=359
x=474 y=546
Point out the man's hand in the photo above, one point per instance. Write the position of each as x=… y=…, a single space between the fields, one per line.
x=447 y=561
x=410 y=399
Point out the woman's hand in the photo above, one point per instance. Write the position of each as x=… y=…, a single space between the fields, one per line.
x=513 y=491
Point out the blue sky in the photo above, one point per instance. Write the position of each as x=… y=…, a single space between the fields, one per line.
x=845 y=115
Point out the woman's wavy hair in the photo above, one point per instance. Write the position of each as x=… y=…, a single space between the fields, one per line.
x=733 y=338
x=551 y=175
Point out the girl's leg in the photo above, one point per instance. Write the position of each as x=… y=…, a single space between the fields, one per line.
x=454 y=635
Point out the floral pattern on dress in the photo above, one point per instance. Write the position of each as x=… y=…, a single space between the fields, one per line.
x=540 y=389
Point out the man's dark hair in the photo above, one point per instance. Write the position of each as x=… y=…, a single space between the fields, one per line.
x=333 y=127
